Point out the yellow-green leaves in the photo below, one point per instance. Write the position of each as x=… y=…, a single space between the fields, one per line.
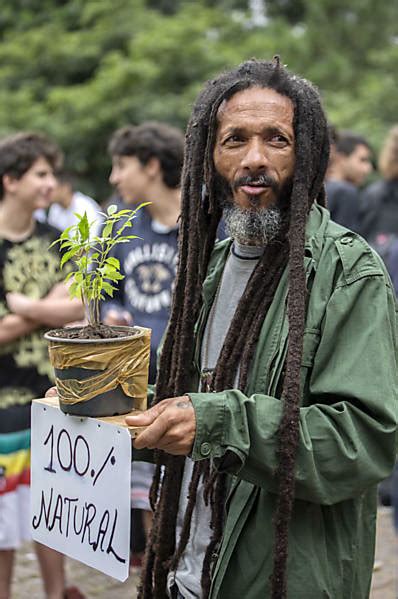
x=95 y=273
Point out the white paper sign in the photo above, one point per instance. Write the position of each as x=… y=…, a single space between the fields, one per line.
x=80 y=488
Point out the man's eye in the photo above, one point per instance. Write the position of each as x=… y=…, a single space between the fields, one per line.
x=233 y=139
x=279 y=139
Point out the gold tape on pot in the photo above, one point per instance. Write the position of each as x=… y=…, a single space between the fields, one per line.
x=123 y=363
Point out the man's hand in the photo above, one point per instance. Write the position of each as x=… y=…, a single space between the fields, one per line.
x=118 y=318
x=20 y=304
x=171 y=426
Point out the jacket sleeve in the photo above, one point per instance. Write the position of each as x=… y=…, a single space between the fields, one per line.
x=347 y=432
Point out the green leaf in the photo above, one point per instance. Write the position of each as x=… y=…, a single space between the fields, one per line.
x=54 y=243
x=84 y=228
x=65 y=233
x=113 y=261
x=114 y=276
x=68 y=255
x=107 y=230
x=108 y=288
x=75 y=290
x=112 y=209
x=69 y=276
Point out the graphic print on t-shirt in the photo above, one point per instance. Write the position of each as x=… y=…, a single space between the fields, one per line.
x=150 y=271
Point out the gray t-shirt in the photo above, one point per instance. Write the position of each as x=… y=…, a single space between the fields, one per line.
x=238 y=268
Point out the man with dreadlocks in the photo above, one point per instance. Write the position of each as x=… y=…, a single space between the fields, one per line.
x=274 y=415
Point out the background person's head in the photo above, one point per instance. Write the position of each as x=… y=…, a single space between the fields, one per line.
x=28 y=162
x=352 y=158
x=143 y=156
x=388 y=159
x=65 y=188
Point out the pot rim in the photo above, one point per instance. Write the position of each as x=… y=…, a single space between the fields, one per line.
x=139 y=332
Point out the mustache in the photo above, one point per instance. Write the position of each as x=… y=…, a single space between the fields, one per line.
x=260 y=180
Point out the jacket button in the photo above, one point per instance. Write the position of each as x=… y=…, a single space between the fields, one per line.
x=205 y=449
x=346 y=240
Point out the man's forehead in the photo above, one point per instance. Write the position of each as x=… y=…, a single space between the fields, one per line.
x=256 y=99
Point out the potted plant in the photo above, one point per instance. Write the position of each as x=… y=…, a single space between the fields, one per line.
x=100 y=370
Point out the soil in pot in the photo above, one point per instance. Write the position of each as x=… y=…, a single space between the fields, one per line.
x=102 y=376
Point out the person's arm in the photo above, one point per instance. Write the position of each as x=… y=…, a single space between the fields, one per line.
x=347 y=435
x=56 y=309
x=13 y=326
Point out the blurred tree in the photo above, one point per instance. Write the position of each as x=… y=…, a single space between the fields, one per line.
x=78 y=69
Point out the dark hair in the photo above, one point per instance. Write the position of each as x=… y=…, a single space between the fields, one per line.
x=18 y=153
x=68 y=178
x=347 y=141
x=333 y=134
x=201 y=212
x=152 y=140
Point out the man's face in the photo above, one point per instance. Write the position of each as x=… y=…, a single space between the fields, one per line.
x=35 y=188
x=254 y=152
x=357 y=166
x=130 y=178
x=63 y=194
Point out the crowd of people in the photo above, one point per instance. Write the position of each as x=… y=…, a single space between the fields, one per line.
x=273 y=400
x=369 y=208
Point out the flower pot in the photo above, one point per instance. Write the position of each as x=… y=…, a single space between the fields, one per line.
x=100 y=377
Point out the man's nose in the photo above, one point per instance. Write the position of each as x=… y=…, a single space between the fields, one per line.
x=51 y=182
x=255 y=157
x=113 y=177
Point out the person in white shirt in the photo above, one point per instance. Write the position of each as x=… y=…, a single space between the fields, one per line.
x=66 y=202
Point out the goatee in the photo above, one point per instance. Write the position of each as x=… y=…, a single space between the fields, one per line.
x=255 y=226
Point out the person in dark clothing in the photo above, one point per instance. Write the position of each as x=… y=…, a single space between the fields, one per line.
x=33 y=297
x=146 y=167
x=379 y=207
x=350 y=166
x=379 y=225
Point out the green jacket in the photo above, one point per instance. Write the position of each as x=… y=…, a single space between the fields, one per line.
x=347 y=426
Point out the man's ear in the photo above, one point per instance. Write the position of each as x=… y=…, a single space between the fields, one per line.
x=153 y=167
x=9 y=183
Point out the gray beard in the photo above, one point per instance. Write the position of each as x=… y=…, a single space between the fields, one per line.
x=254 y=227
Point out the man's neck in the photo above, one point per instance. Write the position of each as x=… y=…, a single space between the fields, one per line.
x=15 y=224
x=165 y=207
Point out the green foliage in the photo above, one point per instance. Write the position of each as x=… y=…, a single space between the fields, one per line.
x=95 y=273
x=78 y=69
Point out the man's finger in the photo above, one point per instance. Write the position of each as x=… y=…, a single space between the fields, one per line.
x=151 y=435
x=51 y=392
x=147 y=417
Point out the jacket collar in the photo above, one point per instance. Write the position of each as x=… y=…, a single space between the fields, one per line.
x=317 y=223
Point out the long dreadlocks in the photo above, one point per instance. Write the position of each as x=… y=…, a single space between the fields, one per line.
x=200 y=215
